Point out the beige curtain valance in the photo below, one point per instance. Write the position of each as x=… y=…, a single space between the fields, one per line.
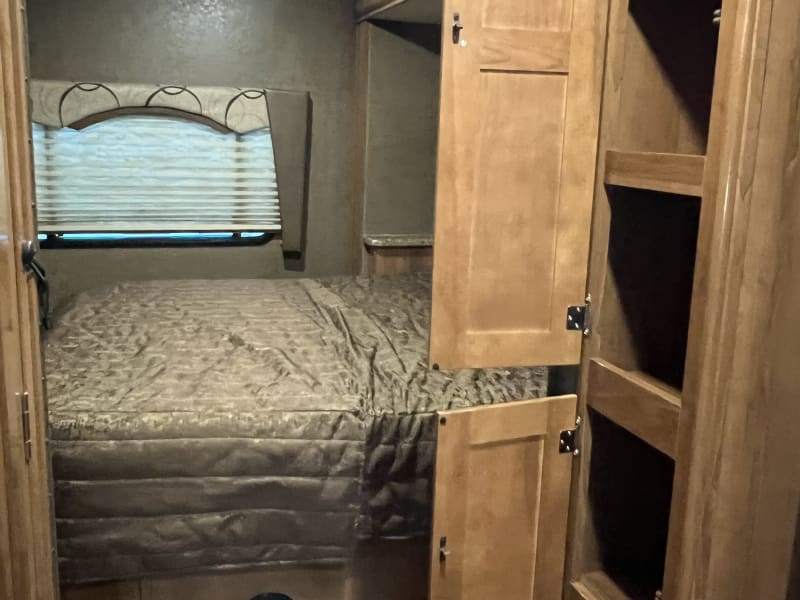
x=62 y=103
x=287 y=114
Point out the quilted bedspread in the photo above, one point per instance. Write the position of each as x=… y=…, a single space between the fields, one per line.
x=209 y=424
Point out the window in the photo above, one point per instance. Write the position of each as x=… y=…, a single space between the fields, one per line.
x=154 y=175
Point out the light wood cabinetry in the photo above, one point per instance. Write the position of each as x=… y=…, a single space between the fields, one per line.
x=657 y=171
x=517 y=148
x=679 y=489
x=501 y=475
x=26 y=529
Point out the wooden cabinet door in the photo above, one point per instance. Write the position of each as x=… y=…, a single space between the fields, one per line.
x=501 y=501
x=519 y=118
x=26 y=531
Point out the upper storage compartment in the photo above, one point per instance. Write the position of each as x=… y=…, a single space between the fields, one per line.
x=400 y=96
x=660 y=80
x=662 y=54
x=396 y=123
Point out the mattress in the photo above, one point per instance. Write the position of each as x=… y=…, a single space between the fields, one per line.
x=203 y=425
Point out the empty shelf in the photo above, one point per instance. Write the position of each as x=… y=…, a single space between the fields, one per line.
x=402 y=240
x=641 y=404
x=672 y=173
x=599 y=586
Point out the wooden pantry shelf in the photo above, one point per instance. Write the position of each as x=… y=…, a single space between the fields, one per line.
x=599 y=586
x=643 y=405
x=672 y=173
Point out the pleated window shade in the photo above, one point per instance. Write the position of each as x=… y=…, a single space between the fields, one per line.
x=154 y=174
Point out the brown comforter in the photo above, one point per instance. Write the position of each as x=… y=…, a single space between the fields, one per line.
x=221 y=424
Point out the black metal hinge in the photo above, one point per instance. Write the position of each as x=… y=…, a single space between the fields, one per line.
x=567 y=439
x=578 y=317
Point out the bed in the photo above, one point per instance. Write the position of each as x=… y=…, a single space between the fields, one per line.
x=210 y=425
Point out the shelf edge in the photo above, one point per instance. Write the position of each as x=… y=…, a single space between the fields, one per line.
x=647 y=408
x=597 y=586
x=660 y=172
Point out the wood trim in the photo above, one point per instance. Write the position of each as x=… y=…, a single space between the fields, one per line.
x=394 y=261
x=519 y=49
x=393 y=254
x=582 y=550
x=36 y=546
x=18 y=570
x=647 y=408
x=736 y=496
x=673 y=173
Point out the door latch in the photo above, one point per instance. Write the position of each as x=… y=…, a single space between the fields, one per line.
x=28 y=252
x=457 y=27
x=25 y=411
x=443 y=551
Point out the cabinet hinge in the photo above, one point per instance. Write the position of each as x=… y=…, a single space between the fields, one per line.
x=567 y=439
x=27 y=443
x=578 y=317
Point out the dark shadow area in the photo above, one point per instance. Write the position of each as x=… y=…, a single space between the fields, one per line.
x=793 y=587
x=630 y=490
x=684 y=38
x=426 y=35
x=563 y=380
x=651 y=258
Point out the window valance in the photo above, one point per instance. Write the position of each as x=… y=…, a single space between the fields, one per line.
x=64 y=103
x=287 y=114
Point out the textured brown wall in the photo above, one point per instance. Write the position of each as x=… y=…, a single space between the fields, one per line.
x=402 y=113
x=284 y=44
